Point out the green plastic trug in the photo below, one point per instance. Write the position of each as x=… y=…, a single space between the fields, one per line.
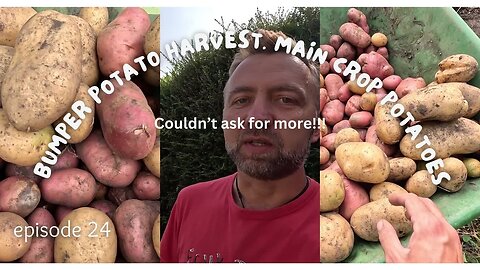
x=418 y=38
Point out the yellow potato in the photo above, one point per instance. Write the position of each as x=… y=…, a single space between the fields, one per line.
x=354 y=88
x=97 y=17
x=333 y=190
x=22 y=148
x=90 y=71
x=12 y=247
x=382 y=190
x=457 y=68
x=379 y=40
x=96 y=241
x=421 y=184
x=443 y=102
x=473 y=167
x=461 y=136
x=458 y=173
x=152 y=161
x=363 y=162
x=156 y=235
x=6 y=54
x=86 y=126
x=11 y=21
x=346 y=135
x=401 y=169
x=368 y=102
x=336 y=238
x=45 y=72
x=364 y=220
x=388 y=127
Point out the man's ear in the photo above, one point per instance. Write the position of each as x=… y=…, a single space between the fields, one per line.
x=315 y=136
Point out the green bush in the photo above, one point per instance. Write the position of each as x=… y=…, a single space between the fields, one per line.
x=195 y=89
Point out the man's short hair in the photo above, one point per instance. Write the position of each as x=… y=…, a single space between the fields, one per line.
x=268 y=40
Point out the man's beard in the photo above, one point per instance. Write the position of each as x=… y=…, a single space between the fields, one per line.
x=270 y=166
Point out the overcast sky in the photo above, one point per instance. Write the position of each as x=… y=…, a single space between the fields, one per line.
x=179 y=23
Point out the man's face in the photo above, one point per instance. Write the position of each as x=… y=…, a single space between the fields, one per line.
x=270 y=87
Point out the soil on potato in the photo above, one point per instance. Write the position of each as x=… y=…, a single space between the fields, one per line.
x=471 y=16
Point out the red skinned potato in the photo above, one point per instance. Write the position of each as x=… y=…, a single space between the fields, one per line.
x=324 y=155
x=101 y=191
x=146 y=186
x=377 y=66
x=328 y=141
x=22 y=171
x=383 y=51
x=341 y=125
x=107 y=168
x=357 y=17
x=127 y=32
x=69 y=187
x=369 y=49
x=355 y=35
x=127 y=121
x=380 y=93
x=61 y=212
x=105 y=206
x=325 y=68
x=120 y=194
x=323 y=98
x=341 y=66
x=333 y=82
x=67 y=159
x=333 y=112
x=335 y=41
x=362 y=132
x=391 y=82
x=19 y=195
x=344 y=93
x=409 y=85
x=355 y=196
x=134 y=220
x=372 y=137
x=353 y=105
x=347 y=51
x=360 y=119
x=41 y=249
x=330 y=51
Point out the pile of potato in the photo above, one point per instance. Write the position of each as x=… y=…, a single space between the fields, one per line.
x=105 y=176
x=366 y=153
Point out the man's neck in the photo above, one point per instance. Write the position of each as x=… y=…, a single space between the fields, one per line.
x=260 y=194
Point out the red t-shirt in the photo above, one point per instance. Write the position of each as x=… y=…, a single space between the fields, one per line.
x=207 y=226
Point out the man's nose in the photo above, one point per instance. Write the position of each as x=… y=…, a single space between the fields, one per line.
x=261 y=109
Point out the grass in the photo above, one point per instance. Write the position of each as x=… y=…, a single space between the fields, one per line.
x=470 y=237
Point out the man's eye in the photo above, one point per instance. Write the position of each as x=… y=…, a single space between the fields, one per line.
x=287 y=100
x=240 y=101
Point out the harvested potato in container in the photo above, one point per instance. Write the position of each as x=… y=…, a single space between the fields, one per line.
x=457 y=68
x=363 y=162
x=421 y=184
x=336 y=238
x=332 y=190
x=458 y=174
x=383 y=190
x=461 y=136
x=364 y=220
